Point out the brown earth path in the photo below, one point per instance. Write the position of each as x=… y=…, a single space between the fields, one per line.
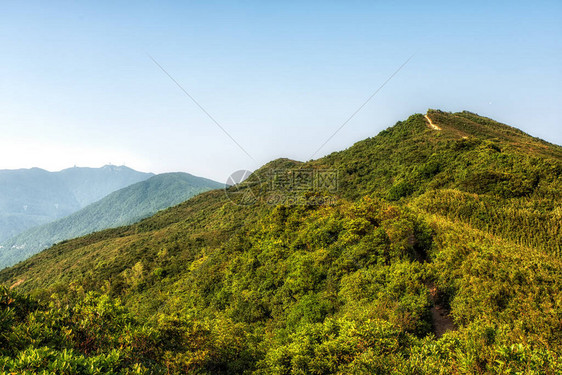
x=431 y=124
x=440 y=317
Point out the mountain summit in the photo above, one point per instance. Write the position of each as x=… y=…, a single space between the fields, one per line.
x=438 y=252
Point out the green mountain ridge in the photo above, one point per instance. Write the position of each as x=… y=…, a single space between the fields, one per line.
x=32 y=197
x=122 y=207
x=463 y=222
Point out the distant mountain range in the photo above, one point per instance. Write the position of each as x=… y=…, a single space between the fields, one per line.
x=31 y=197
x=125 y=206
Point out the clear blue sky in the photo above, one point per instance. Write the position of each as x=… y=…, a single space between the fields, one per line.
x=77 y=86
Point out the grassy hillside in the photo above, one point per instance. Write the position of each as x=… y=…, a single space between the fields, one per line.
x=459 y=225
x=32 y=197
x=125 y=206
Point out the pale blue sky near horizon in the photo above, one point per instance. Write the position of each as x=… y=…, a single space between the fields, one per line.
x=77 y=86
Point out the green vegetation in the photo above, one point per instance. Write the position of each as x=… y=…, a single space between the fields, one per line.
x=125 y=206
x=466 y=219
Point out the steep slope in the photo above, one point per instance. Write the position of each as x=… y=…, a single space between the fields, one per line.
x=31 y=197
x=472 y=209
x=121 y=207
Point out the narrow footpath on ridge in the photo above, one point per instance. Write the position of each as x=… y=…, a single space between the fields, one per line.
x=431 y=124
